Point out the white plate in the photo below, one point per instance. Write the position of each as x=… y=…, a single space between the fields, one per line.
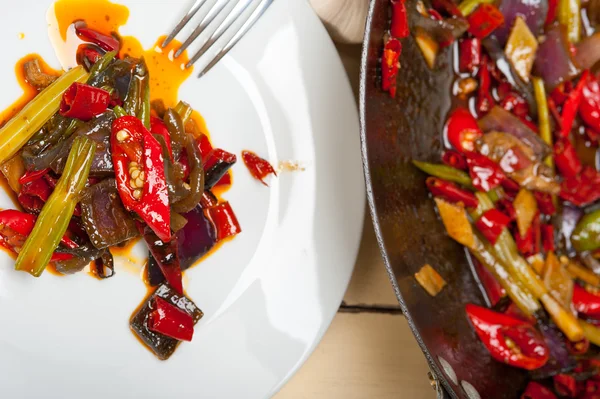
x=268 y=295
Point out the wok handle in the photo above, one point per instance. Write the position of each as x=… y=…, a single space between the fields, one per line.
x=441 y=392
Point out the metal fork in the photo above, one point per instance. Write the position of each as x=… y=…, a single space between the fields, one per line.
x=232 y=16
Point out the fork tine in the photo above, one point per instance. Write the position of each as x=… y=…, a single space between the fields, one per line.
x=258 y=12
x=212 y=14
x=197 y=5
x=226 y=24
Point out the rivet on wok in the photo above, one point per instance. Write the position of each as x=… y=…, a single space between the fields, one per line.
x=448 y=370
x=470 y=390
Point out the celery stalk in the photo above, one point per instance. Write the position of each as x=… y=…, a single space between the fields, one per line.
x=56 y=214
x=17 y=131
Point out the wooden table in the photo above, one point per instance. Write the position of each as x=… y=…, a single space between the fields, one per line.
x=369 y=351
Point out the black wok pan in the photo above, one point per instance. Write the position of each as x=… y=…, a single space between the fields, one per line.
x=394 y=131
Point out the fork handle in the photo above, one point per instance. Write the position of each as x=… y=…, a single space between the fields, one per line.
x=344 y=19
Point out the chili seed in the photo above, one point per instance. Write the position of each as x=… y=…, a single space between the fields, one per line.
x=465 y=87
x=134 y=173
x=187 y=186
x=142 y=175
x=139 y=183
x=132 y=183
x=137 y=194
x=122 y=135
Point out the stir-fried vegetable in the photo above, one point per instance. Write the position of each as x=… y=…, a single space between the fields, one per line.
x=430 y=280
x=56 y=214
x=521 y=48
x=569 y=15
x=455 y=220
x=444 y=172
x=586 y=236
x=16 y=132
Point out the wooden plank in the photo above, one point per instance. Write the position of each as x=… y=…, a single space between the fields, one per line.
x=363 y=356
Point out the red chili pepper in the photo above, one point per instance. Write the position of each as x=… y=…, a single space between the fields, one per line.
x=171 y=321
x=565 y=385
x=469 y=54
x=516 y=104
x=592 y=134
x=131 y=142
x=15 y=222
x=87 y=55
x=399 y=25
x=555 y=113
x=83 y=102
x=225 y=180
x=548 y=237
x=61 y=257
x=108 y=43
x=566 y=158
x=451 y=192
x=258 y=167
x=509 y=340
x=204 y=146
x=434 y=14
x=589 y=109
x=561 y=92
x=493 y=289
x=491 y=224
x=513 y=311
x=462 y=130
x=225 y=221
x=208 y=200
x=545 y=203
x=455 y=159
x=217 y=165
x=579 y=347
x=530 y=243
x=552 y=6
x=485 y=101
x=34 y=194
x=30 y=176
x=448 y=7
x=506 y=206
x=582 y=189
x=486 y=174
x=484 y=20
x=511 y=188
x=390 y=65
x=585 y=302
x=536 y=390
x=157 y=126
x=571 y=106
x=166 y=255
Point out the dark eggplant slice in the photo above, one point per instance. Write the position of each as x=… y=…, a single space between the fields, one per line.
x=194 y=240
x=104 y=266
x=117 y=75
x=82 y=256
x=162 y=346
x=98 y=129
x=104 y=217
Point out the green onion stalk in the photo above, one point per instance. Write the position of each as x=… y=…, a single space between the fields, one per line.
x=53 y=221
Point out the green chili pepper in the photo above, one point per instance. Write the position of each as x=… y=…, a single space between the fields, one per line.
x=445 y=172
x=101 y=65
x=56 y=214
x=184 y=110
x=586 y=236
x=119 y=111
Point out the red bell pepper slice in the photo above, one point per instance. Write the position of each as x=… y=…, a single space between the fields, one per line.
x=399 y=24
x=484 y=20
x=390 y=65
x=492 y=287
x=508 y=339
x=585 y=302
x=545 y=203
x=565 y=385
x=462 y=130
x=485 y=101
x=469 y=54
x=84 y=102
x=224 y=220
x=582 y=189
x=171 y=321
x=571 y=105
x=536 y=390
x=451 y=192
x=108 y=43
x=589 y=109
x=258 y=167
x=204 y=146
x=486 y=174
x=225 y=180
x=491 y=224
x=157 y=126
x=548 y=237
x=566 y=158
x=30 y=176
x=455 y=159
x=135 y=148
x=530 y=243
